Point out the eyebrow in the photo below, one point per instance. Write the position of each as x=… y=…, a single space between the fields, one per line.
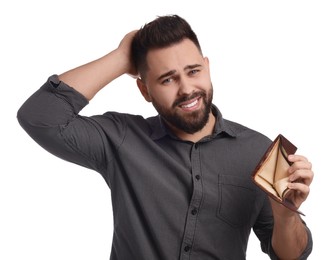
x=172 y=72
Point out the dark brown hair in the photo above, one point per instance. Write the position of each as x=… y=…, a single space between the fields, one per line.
x=162 y=32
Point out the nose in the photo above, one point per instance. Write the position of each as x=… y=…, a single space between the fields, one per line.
x=185 y=86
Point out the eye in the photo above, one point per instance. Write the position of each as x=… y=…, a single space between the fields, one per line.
x=167 y=81
x=193 y=72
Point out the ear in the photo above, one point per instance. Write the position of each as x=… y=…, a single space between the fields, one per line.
x=143 y=89
x=206 y=60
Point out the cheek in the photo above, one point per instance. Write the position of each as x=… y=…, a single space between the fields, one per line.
x=164 y=97
x=206 y=84
x=205 y=80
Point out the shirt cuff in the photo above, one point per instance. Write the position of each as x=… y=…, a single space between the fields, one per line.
x=67 y=93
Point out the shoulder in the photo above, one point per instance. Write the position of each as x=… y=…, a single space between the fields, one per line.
x=122 y=119
x=237 y=130
x=128 y=122
x=242 y=131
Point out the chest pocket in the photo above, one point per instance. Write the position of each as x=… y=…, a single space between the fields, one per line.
x=236 y=198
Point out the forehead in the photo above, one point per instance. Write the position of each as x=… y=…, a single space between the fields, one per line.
x=174 y=57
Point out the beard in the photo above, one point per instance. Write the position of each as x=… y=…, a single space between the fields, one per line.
x=188 y=122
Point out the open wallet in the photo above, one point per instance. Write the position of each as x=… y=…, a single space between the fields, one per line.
x=271 y=173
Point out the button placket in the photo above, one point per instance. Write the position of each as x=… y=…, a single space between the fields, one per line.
x=195 y=202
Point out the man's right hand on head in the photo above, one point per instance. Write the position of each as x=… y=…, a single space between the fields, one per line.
x=125 y=46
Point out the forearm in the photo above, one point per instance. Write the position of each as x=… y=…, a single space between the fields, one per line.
x=89 y=78
x=290 y=236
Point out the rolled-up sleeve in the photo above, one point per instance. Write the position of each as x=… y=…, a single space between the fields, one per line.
x=50 y=117
x=263 y=229
x=305 y=254
x=55 y=103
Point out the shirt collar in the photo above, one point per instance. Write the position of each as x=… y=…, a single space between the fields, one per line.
x=222 y=126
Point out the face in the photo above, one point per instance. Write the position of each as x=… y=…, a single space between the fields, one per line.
x=179 y=86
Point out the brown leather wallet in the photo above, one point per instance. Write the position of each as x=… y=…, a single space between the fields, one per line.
x=271 y=173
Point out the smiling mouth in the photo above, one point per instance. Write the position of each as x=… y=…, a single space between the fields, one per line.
x=191 y=104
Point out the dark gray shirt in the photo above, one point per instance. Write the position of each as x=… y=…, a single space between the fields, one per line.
x=171 y=199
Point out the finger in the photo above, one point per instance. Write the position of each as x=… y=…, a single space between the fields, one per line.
x=299 y=162
x=296 y=158
x=299 y=165
x=302 y=175
x=300 y=187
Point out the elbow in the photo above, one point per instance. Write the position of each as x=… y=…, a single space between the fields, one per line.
x=30 y=117
x=22 y=117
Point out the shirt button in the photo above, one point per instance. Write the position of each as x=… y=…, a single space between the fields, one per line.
x=186 y=248
x=198 y=177
x=194 y=211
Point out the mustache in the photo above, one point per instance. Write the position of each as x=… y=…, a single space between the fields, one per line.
x=189 y=97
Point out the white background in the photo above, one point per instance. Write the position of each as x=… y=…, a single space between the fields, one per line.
x=273 y=66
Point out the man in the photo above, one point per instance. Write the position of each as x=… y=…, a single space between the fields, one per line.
x=181 y=181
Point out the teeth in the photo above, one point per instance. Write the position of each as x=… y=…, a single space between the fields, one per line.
x=190 y=105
